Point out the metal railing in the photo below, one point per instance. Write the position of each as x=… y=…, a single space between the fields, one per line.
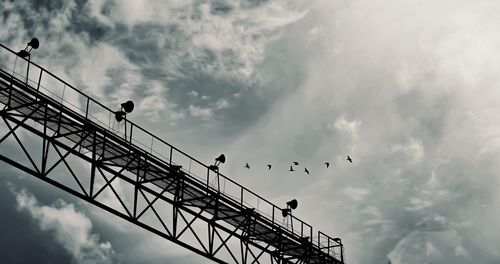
x=68 y=96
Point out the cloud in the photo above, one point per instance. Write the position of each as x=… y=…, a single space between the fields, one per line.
x=356 y=194
x=203 y=113
x=408 y=89
x=414 y=150
x=429 y=247
x=410 y=80
x=221 y=104
x=72 y=229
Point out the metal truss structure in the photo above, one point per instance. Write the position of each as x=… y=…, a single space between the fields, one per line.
x=54 y=132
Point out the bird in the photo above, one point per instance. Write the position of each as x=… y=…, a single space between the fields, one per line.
x=269 y=166
x=291 y=168
x=247 y=166
x=349 y=159
x=327 y=164
x=306 y=171
x=295 y=163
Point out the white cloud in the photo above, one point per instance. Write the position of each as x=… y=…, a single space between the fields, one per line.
x=414 y=150
x=96 y=7
x=72 y=229
x=413 y=85
x=221 y=104
x=351 y=127
x=200 y=112
x=155 y=106
x=227 y=46
x=429 y=247
x=193 y=93
x=356 y=194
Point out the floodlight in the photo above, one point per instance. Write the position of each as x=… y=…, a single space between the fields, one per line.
x=120 y=115
x=221 y=159
x=292 y=204
x=34 y=43
x=23 y=54
x=286 y=212
x=128 y=106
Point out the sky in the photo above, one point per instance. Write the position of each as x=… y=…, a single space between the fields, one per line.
x=409 y=89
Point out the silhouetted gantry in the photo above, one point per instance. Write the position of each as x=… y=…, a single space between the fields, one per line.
x=71 y=141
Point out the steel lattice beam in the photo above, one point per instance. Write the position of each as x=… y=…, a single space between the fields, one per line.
x=162 y=199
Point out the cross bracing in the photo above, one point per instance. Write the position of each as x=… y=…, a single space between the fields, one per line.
x=135 y=175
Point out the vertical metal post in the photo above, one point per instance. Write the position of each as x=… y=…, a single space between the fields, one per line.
x=125 y=135
x=93 y=165
x=131 y=129
x=28 y=70
x=274 y=207
x=241 y=197
x=87 y=108
x=45 y=143
x=208 y=179
x=137 y=182
x=39 y=81
x=170 y=158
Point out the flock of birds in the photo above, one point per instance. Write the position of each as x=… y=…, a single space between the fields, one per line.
x=296 y=163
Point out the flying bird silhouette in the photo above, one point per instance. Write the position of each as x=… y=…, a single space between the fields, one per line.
x=269 y=166
x=247 y=166
x=295 y=163
x=327 y=164
x=291 y=168
x=306 y=171
x=349 y=159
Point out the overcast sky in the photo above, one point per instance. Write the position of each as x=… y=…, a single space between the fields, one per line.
x=409 y=89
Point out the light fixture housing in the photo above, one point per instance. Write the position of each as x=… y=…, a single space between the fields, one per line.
x=23 y=53
x=120 y=115
x=34 y=43
x=292 y=204
x=221 y=158
x=286 y=212
x=128 y=106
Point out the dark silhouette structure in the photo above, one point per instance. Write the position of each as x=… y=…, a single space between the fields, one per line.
x=349 y=159
x=306 y=171
x=220 y=159
x=247 y=166
x=163 y=189
x=290 y=205
x=269 y=166
x=291 y=169
x=33 y=44
x=295 y=163
x=327 y=164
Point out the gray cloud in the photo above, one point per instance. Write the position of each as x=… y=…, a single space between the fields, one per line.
x=71 y=228
x=20 y=235
x=408 y=89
